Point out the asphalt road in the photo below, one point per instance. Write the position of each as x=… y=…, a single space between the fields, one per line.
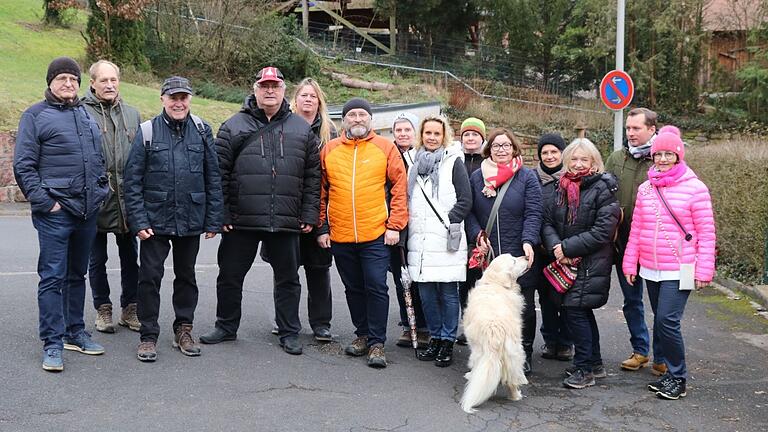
x=251 y=384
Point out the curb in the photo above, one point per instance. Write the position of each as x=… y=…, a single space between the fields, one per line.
x=15 y=209
x=759 y=293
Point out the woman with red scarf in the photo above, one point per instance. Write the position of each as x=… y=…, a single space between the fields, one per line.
x=517 y=226
x=579 y=223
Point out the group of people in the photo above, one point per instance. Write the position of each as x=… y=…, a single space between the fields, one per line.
x=278 y=174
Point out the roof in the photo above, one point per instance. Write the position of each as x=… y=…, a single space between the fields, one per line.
x=733 y=15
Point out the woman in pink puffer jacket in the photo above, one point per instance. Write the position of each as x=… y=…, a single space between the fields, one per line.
x=672 y=256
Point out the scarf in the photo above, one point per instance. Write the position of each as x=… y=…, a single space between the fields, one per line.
x=495 y=175
x=547 y=177
x=550 y=171
x=642 y=151
x=570 y=183
x=667 y=178
x=426 y=164
x=51 y=98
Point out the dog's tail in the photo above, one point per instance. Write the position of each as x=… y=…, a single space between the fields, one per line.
x=485 y=375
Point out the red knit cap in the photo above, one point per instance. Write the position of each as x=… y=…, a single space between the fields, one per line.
x=669 y=140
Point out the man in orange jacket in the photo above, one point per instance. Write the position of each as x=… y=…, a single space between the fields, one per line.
x=363 y=208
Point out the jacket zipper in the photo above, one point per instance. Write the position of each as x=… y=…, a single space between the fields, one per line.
x=274 y=178
x=354 y=210
x=85 y=165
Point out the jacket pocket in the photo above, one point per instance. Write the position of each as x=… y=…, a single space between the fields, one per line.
x=58 y=187
x=196 y=211
x=154 y=204
x=158 y=155
x=195 y=155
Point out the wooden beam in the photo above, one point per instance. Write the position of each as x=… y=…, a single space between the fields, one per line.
x=354 y=28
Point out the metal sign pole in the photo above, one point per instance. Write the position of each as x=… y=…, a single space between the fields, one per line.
x=618 y=115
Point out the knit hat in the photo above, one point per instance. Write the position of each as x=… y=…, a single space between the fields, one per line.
x=410 y=118
x=355 y=103
x=668 y=139
x=551 y=139
x=473 y=124
x=62 y=65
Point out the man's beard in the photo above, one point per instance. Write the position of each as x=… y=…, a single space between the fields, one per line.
x=359 y=131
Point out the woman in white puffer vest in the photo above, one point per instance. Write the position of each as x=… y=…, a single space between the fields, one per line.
x=439 y=198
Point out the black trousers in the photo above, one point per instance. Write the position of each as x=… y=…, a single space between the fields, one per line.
x=319 y=300
x=237 y=251
x=152 y=255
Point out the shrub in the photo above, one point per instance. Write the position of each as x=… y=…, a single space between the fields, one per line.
x=734 y=171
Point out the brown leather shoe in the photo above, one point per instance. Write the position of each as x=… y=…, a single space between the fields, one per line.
x=128 y=317
x=659 y=369
x=104 y=321
x=634 y=362
x=184 y=342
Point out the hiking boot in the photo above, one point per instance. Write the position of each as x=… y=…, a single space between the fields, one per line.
x=82 y=342
x=405 y=339
x=659 y=369
x=323 y=335
x=634 y=362
x=104 y=322
x=357 y=347
x=52 y=360
x=661 y=383
x=422 y=337
x=564 y=352
x=183 y=340
x=376 y=357
x=431 y=352
x=549 y=351
x=217 y=335
x=461 y=339
x=579 y=379
x=147 y=351
x=598 y=370
x=291 y=345
x=673 y=390
x=128 y=318
x=445 y=355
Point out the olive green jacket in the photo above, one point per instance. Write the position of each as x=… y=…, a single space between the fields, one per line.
x=630 y=173
x=118 y=123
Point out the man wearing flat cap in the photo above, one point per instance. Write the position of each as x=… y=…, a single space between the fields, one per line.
x=58 y=165
x=172 y=196
x=363 y=208
x=270 y=171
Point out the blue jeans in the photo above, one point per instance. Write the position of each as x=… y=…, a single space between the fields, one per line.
x=128 y=250
x=363 y=270
x=634 y=313
x=586 y=337
x=668 y=304
x=440 y=301
x=65 y=245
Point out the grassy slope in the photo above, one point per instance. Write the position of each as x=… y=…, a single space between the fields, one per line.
x=27 y=47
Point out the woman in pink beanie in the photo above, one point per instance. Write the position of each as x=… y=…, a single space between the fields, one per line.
x=673 y=240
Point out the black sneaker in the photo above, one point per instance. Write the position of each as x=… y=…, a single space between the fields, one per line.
x=660 y=383
x=323 y=334
x=579 y=379
x=598 y=371
x=674 y=390
x=462 y=340
x=549 y=351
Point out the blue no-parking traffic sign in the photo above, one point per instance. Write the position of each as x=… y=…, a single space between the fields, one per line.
x=617 y=90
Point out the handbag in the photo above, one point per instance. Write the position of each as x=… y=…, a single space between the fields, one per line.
x=454 y=230
x=480 y=259
x=562 y=276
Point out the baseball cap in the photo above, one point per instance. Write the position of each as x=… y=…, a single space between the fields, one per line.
x=269 y=73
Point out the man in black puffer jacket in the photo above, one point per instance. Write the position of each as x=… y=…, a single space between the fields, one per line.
x=270 y=168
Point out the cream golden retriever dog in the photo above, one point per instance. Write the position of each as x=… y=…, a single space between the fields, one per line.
x=493 y=326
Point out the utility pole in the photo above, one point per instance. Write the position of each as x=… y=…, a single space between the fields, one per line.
x=618 y=115
x=305 y=17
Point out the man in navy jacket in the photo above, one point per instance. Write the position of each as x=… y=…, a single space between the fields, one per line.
x=172 y=195
x=59 y=166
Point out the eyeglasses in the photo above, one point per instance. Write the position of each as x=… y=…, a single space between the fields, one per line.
x=272 y=87
x=503 y=146
x=664 y=155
